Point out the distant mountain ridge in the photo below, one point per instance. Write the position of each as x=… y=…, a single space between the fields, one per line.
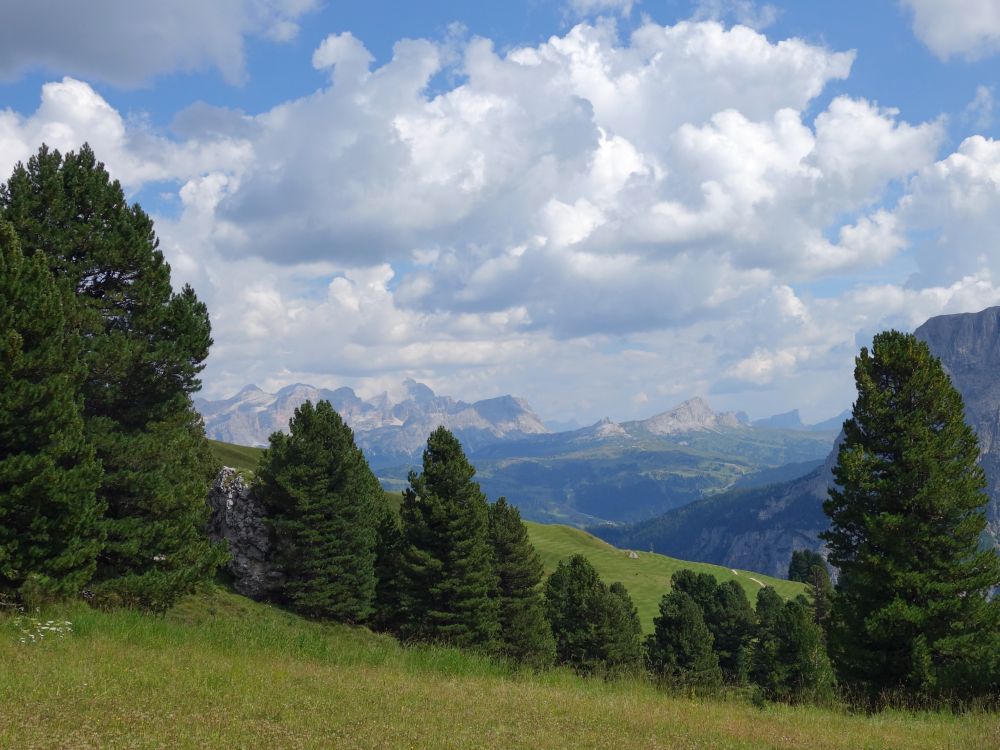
x=605 y=472
x=757 y=528
x=619 y=472
x=388 y=430
x=792 y=420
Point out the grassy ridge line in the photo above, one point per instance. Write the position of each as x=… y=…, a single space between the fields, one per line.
x=646 y=578
x=221 y=671
x=241 y=457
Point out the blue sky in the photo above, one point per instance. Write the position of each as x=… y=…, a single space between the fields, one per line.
x=603 y=206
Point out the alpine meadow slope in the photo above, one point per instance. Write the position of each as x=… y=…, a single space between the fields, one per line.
x=218 y=670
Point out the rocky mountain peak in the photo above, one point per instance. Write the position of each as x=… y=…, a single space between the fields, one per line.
x=692 y=415
x=418 y=392
x=789 y=420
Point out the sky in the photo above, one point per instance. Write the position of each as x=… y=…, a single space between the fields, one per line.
x=602 y=206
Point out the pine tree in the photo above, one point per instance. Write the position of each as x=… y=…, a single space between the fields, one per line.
x=525 y=634
x=789 y=662
x=727 y=614
x=625 y=648
x=49 y=533
x=810 y=568
x=679 y=650
x=321 y=500
x=447 y=558
x=911 y=610
x=595 y=626
x=388 y=614
x=802 y=563
x=142 y=346
x=765 y=666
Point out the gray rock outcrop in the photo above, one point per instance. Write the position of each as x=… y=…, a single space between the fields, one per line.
x=238 y=519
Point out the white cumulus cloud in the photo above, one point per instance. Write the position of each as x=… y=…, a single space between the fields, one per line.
x=966 y=28
x=664 y=214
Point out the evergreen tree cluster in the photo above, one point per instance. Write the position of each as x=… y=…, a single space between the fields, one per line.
x=450 y=569
x=104 y=464
x=707 y=634
x=596 y=626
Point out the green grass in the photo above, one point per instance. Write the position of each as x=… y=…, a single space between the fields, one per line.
x=240 y=457
x=219 y=671
x=646 y=578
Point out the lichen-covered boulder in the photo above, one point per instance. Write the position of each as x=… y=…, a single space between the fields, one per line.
x=238 y=519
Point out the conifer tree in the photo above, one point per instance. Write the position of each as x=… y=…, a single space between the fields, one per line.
x=625 y=648
x=727 y=614
x=911 y=610
x=142 y=346
x=447 y=557
x=810 y=568
x=595 y=626
x=790 y=662
x=679 y=650
x=388 y=614
x=801 y=565
x=321 y=500
x=525 y=634
x=49 y=533
x=765 y=669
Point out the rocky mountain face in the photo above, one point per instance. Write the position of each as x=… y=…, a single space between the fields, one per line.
x=969 y=348
x=757 y=528
x=390 y=430
x=694 y=415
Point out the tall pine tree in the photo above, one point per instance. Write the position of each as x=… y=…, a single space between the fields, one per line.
x=322 y=500
x=447 y=557
x=595 y=626
x=727 y=614
x=388 y=614
x=525 y=634
x=49 y=512
x=679 y=650
x=142 y=346
x=911 y=610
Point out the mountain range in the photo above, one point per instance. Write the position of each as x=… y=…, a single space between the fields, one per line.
x=603 y=473
x=758 y=527
x=389 y=430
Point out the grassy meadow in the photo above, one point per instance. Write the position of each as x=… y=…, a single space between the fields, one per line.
x=647 y=577
x=241 y=457
x=221 y=671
